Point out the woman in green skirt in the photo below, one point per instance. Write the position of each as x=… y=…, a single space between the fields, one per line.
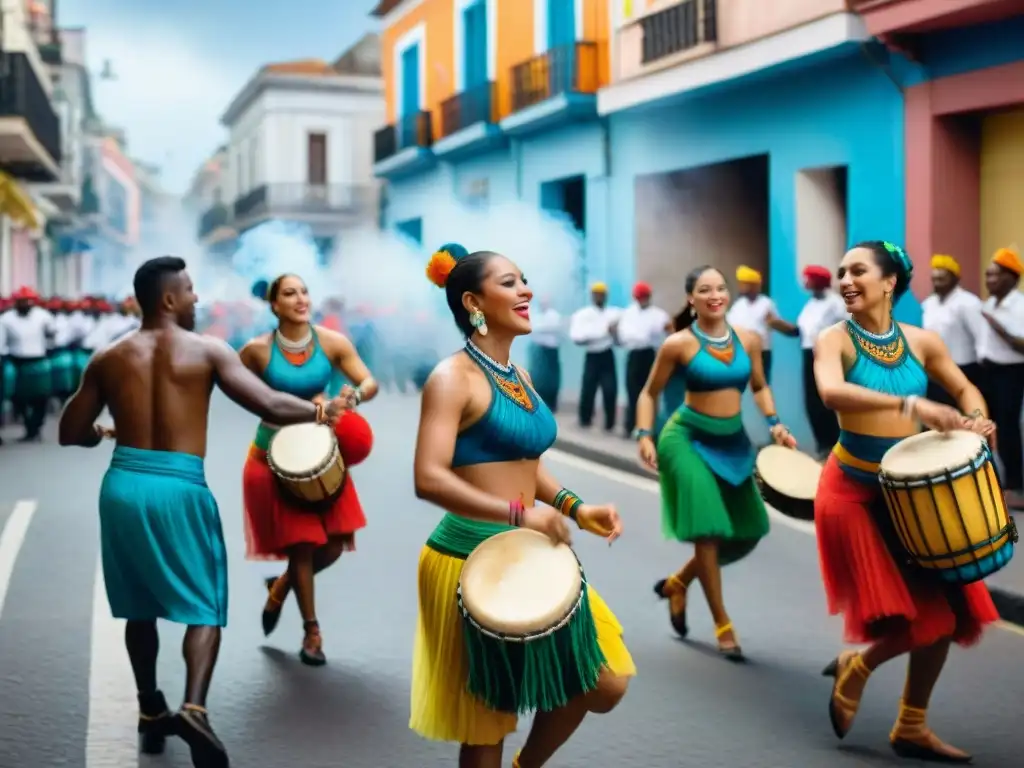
x=704 y=459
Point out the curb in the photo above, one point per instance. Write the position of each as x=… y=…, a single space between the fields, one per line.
x=1009 y=604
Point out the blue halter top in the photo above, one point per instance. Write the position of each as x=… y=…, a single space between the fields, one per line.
x=517 y=424
x=306 y=380
x=883 y=363
x=707 y=371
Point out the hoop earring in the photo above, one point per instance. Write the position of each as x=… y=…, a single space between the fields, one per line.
x=478 y=321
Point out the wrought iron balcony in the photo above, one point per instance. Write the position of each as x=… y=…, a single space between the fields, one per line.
x=30 y=144
x=474 y=105
x=217 y=215
x=563 y=70
x=677 y=29
x=413 y=130
x=289 y=200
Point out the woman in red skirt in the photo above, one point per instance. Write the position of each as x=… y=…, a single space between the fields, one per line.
x=874 y=373
x=300 y=358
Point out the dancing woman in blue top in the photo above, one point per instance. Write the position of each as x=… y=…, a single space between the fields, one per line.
x=482 y=431
x=704 y=458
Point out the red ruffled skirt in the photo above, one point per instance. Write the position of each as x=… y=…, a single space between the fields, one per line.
x=274 y=521
x=864 y=583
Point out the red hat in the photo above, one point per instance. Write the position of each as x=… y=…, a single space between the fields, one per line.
x=642 y=290
x=24 y=293
x=103 y=305
x=817 y=274
x=54 y=303
x=355 y=438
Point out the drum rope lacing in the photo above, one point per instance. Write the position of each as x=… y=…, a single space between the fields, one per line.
x=293 y=346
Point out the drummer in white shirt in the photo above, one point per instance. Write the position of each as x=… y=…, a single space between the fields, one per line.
x=824 y=309
x=1001 y=352
x=593 y=329
x=756 y=312
x=640 y=330
x=28 y=329
x=955 y=315
x=545 y=364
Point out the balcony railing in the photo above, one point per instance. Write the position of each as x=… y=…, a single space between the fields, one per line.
x=472 y=106
x=413 y=130
x=563 y=70
x=305 y=199
x=217 y=215
x=677 y=29
x=22 y=95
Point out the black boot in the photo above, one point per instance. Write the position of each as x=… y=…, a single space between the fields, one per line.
x=193 y=726
x=154 y=723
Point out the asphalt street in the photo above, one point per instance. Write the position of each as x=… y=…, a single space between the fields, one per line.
x=66 y=697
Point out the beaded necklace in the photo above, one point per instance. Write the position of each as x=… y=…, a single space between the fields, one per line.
x=888 y=348
x=719 y=347
x=505 y=377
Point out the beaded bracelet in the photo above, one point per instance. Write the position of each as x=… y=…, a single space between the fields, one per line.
x=516 y=511
x=567 y=503
x=773 y=420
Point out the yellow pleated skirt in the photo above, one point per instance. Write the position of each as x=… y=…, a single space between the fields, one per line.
x=441 y=707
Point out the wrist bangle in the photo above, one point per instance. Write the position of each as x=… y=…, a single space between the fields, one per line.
x=567 y=503
x=357 y=395
x=773 y=420
x=640 y=434
x=908 y=405
x=515 y=513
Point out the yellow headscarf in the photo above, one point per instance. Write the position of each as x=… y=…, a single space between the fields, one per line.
x=948 y=263
x=1008 y=259
x=598 y=287
x=745 y=274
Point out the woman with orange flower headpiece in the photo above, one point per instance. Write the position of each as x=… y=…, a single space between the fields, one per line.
x=1001 y=351
x=300 y=358
x=483 y=430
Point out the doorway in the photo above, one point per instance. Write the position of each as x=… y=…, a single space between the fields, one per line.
x=821 y=217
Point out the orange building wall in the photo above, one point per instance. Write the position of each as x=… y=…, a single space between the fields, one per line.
x=515 y=23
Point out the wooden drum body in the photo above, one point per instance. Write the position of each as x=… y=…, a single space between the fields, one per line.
x=530 y=638
x=788 y=480
x=946 y=505
x=306 y=461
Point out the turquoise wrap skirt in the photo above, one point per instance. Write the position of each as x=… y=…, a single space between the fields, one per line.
x=163 y=547
x=64 y=370
x=33 y=379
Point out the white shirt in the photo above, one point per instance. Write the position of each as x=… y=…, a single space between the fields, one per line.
x=753 y=315
x=817 y=315
x=590 y=327
x=103 y=331
x=642 y=327
x=1010 y=314
x=63 y=332
x=958 y=321
x=3 y=337
x=547 y=329
x=81 y=324
x=26 y=335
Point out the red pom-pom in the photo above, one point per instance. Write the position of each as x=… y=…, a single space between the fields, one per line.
x=355 y=438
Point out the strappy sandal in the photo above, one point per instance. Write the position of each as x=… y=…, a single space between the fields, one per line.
x=271 y=617
x=842 y=709
x=194 y=729
x=312 y=652
x=911 y=738
x=155 y=723
x=731 y=652
x=674 y=590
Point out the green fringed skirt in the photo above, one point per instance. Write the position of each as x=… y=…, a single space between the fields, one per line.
x=468 y=688
x=706 y=467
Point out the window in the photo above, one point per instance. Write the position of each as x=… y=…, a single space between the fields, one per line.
x=254 y=159
x=316 y=153
x=116 y=206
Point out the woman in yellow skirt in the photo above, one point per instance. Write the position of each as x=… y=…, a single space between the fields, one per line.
x=482 y=431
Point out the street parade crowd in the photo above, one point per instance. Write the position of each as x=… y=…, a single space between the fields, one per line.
x=878 y=393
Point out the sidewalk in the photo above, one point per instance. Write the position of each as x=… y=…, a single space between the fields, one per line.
x=615 y=451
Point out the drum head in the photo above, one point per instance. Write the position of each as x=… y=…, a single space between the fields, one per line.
x=931 y=452
x=301 y=449
x=789 y=472
x=519 y=582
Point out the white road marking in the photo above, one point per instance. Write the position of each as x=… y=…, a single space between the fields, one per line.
x=651 y=486
x=111 y=739
x=11 y=539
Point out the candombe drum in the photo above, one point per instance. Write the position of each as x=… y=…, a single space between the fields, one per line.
x=306 y=461
x=946 y=505
x=526 y=614
x=788 y=480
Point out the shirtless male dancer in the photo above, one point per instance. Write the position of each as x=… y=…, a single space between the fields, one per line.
x=163 y=547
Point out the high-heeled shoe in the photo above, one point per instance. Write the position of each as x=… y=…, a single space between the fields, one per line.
x=312 y=652
x=674 y=590
x=193 y=727
x=271 y=616
x=154 y=723
x=911 y=738
x=842 y=709
x=731 y=652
